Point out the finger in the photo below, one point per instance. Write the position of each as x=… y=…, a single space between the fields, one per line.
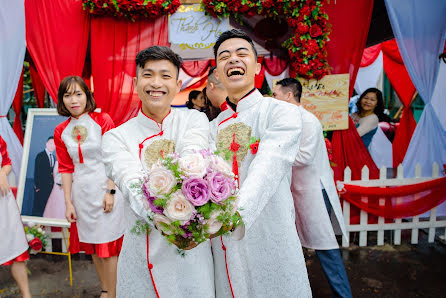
x=104 y=204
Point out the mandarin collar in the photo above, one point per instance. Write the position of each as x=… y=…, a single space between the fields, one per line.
x=151 y=123
x=83 y=116
x=249 y=100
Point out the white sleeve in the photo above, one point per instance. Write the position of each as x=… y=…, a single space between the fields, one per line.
x=367 y=124
x=124 y=169
x=197 y=134
x=277 y=150
x=311 y=132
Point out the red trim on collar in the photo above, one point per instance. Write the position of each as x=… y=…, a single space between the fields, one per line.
x=142 y=112
x=224 y=106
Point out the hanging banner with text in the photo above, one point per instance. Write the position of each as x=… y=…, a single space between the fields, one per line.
x=191 y=28
x=328 y=100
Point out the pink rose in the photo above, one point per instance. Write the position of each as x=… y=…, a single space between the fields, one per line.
x=193 y=165
x=220 y=186
x=179 y=208
x=213 y=224
x=161 y=181
x=162 y=223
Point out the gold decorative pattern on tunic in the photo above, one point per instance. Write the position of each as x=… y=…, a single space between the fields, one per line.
x=82 y=131
x=153 y=151
x=242 y=136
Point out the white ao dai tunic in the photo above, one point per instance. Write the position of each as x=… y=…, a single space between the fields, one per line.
x=78 y=148
x=268 y=261
x=11 y=228
x=128 y=149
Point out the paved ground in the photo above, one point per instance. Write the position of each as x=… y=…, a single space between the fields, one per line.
x=385 y=271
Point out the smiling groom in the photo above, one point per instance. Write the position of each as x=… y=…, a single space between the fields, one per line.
x=262 y=136
x=149 y=266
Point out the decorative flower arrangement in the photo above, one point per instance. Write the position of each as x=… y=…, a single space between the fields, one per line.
x=307 y=48
x=37 y=239
x=190 y=199
x=131 y=9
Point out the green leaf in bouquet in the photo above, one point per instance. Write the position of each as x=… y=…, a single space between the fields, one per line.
x=205 y=210
x=175 y=223
x=160 y=203
x=141 y=227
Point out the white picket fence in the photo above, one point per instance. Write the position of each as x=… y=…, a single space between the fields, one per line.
x=414 y=224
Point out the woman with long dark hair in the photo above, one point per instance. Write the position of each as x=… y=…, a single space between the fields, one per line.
x=196 y=101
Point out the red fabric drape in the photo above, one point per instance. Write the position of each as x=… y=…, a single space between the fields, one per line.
x=397 y=201
x=39 y=88
x=57 y=39
x=370 y=54
x=196 y=68
x=344 y=55
x=274 y=65
x=404 y=88
x=17 y=106
x=113 y=51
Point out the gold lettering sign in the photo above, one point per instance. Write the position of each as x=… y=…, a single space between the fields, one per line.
x=328 y=100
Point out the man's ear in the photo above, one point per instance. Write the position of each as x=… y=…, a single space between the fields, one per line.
x=217 y=76
x=211 y=85
x=135 y=80
x=179 y=84
x=258 y=68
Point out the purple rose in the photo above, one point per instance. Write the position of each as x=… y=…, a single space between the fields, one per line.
x=196 y=191
x=220 y=187
x=150 y=199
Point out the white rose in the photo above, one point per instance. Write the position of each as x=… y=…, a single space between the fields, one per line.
x=213 y=224
x=221 y=165
x=31 y=224
x=193 y=165
x=179 y=208
x=39 y=230
x=29 y=237
x=161 y=181
x=160 y=222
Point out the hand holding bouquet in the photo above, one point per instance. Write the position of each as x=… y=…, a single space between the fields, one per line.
x=191 y=198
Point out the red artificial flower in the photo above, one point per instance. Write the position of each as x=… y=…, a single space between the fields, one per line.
x=305 y=11
x=254 y=147
x=302 y=28
x=36 y=244
x=315 y=31
x=311 y=47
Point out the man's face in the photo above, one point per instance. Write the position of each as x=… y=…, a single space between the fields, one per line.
x=157 y=85
x=281 y=93
x=50 y=145
x=236 y=65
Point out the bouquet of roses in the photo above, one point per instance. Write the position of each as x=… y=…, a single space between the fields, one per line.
x=191 y=198
x=37 y=239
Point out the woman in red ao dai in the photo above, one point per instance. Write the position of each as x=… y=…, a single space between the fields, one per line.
x=14 y=247
x=93 y=206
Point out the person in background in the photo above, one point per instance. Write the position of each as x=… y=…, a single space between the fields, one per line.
x=93 y=205
x=314 y=192
x=196 y=101
x=43 y=177
x=14 y=246
x=370 y=110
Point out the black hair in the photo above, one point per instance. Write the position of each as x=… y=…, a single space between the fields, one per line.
x=234 y=33
x=379 y=109
x=192 y=95
x=50 y=138
x=65 y=85
x=293 y=85
x=158 y=53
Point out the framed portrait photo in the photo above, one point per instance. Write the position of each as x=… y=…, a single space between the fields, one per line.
x=39 y=194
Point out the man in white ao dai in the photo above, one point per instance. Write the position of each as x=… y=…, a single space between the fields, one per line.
x=150 y=267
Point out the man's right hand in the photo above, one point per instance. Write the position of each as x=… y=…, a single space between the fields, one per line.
x=70 y=213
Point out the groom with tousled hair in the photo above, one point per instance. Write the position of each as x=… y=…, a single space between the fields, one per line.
x=148 y=265
x=263 y=259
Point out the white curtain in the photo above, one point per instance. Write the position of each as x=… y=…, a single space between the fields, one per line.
x=439 y=96
x=368 y=76
x=419 y=28
x=380 y=149
x=271 y=79
x=12 y=54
